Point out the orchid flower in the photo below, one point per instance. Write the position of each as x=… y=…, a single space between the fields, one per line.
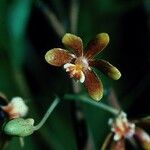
x=123 y=130
x=79 y=64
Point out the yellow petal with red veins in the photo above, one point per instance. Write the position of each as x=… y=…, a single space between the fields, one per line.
x=96 y=45
x=106 y=68
x=74 y=42
x=58 y=57
x=93 y=85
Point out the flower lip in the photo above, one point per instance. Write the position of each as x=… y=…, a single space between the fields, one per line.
x=77 y=68
x=75 y=71
x=83 y=62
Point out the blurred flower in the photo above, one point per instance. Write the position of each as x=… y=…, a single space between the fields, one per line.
x=3 y=118
x=79 y=64
x=15 y=108
x=11 y=112
x=122 y=130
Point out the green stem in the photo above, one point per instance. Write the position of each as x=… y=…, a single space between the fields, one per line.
x=146 y=118
x=47 y=114
x=112 y=99
x=74 y=9
x=90 y=101
x=21 y=82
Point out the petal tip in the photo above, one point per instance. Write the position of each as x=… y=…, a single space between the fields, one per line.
x=97 y=96
x=47 y=55
x=67 y=37
x=50 y=56
x=103 y=37
x=94 y=85
x=115 y=73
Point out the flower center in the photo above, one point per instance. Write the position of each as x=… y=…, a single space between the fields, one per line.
x=82 y=62
x=122 y=127
x=77 y=69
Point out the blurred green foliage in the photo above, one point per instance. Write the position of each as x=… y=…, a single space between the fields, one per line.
x=25 y=36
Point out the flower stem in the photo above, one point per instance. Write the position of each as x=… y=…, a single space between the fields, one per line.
x=112 y=99
x=47 y=114
x=146 y=118
x=74 y=9
x=21 y=82
x=90 y=101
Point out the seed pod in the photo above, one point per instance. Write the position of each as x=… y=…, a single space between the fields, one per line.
x=19 y=127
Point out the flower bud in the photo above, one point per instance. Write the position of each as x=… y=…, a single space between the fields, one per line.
x=19 y=127
x=16 y=108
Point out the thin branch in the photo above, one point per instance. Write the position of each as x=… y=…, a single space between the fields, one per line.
x=74 y=10
x=47 y=114
x=21 y=82
x=56 y=24
x=76 y=86
x=112 y=100
x=90 y=101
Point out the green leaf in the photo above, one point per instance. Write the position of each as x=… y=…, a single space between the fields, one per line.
x=18 y=16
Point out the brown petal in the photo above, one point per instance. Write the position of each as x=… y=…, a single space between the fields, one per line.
x=143 y=138
x=107 y=141
x=93 y=85
x=74 y=42
x=96 y=45
x=58 y=57
x=118 y=145
x=106 y=68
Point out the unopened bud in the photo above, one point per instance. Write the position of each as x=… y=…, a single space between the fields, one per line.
x=16 y=108
x=19 y=127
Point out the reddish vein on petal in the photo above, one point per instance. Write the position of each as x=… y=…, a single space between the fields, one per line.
x=96 y=45
x=93 y=85
x=74 y=42
x=58 y=57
